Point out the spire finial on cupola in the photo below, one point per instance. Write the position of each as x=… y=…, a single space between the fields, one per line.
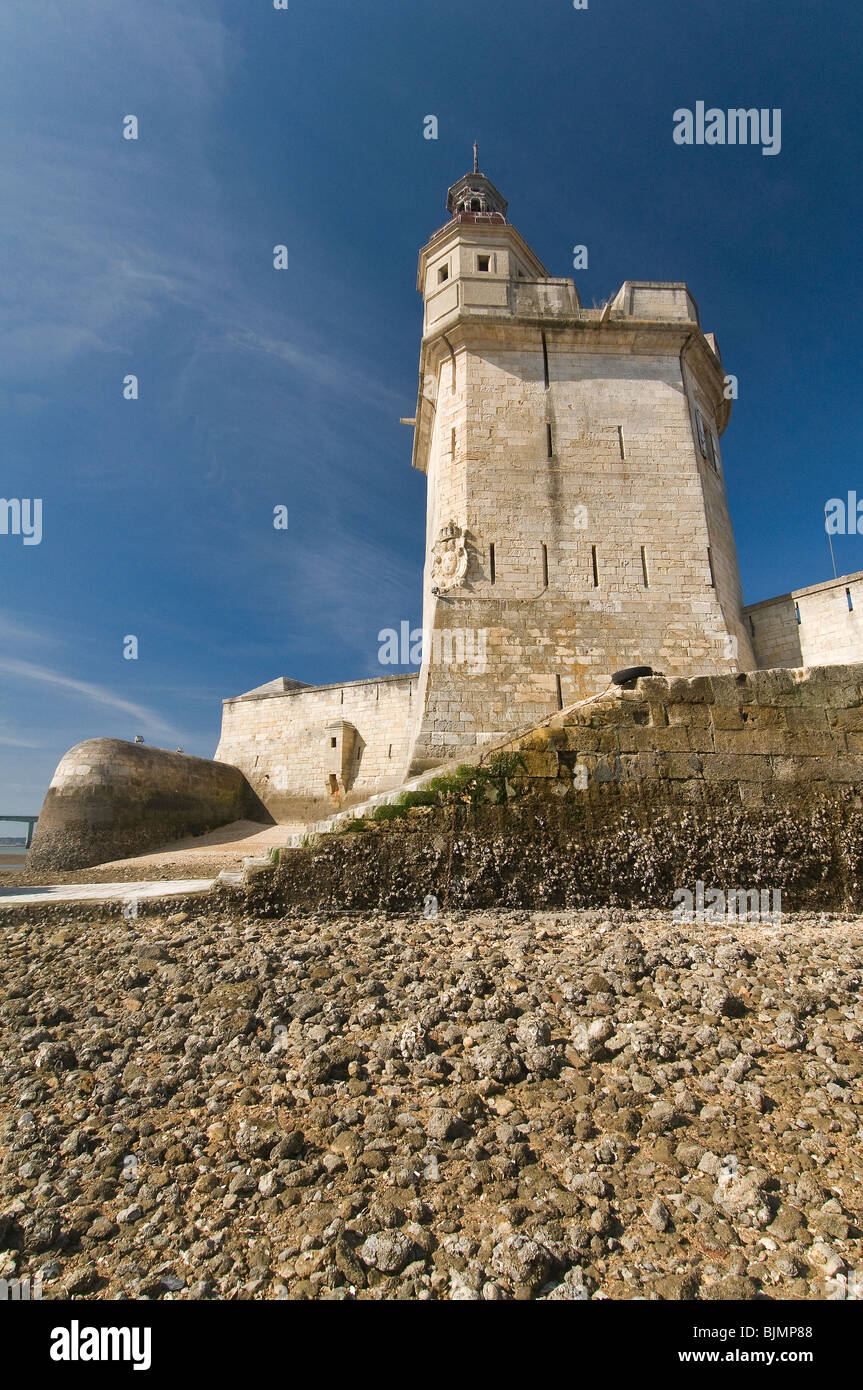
x=476 y=196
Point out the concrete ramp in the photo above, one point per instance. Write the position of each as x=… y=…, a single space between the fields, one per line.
x=103 y=892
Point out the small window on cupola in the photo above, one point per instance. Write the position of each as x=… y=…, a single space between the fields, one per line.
x=483 y=263
x=443 y=274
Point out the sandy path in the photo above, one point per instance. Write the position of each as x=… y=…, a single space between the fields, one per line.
x=193 y=857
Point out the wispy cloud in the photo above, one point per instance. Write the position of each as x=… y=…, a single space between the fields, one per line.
x=87 y=217
x=126 y=253
x=13 y=741
x=102 y=240
x=97 y=694
x=17 y=632
x=321 y=368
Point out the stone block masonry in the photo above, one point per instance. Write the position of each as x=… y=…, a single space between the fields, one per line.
x=577 y=514
x=809 y=627
x=748 y=781
x=758 y=732
x=576 y=523
x=310 y=750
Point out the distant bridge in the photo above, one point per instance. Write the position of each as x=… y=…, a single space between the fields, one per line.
x=29 y=821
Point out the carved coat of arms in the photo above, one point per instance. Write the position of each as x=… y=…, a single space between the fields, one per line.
x=449 y=558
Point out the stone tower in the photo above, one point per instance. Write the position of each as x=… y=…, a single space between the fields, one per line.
x=576 y=520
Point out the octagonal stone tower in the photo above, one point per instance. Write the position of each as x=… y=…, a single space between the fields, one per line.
x=576 y=519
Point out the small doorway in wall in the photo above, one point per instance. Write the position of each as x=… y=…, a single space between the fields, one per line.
x=334 y=786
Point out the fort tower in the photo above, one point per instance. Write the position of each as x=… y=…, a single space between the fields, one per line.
x=576 y=517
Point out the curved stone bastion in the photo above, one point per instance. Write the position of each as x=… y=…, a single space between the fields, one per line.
x=109 y=799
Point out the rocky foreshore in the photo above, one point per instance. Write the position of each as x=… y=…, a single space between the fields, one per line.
x=489 y=1105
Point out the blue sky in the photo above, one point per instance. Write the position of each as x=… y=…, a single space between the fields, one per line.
x=258 y=388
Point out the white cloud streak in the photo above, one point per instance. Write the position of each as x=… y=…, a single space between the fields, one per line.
x=97 y=694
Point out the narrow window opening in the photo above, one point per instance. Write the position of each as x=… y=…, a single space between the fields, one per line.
x=559 y=693
x=550 y=441
x=710 y=565
x=390 y=751
x=752 y=625
x=452 y=442
x=545 y=359
x=341 y=697
x=545 y=566
x=714 y=450
x=620 y=441
x=483 y=263
x=443 y=274
x=491 y=561
x=644 y=568
x=595 y=567
x=702 y=432
x=332 y=743
x=797 y=611
x=850 y=603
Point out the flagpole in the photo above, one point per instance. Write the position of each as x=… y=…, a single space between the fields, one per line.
x=830 y=542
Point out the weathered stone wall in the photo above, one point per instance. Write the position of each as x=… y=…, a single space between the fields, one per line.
x=109 y=799
x=745 y=782
x=775 y=634
x=828 y=631
x=753 y=732
x=283 y=742
x=574 y=454
x=577 y=452
x=639 y=849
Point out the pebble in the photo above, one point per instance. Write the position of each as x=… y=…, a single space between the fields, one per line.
x=659 y=1216
x=515 y=1105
